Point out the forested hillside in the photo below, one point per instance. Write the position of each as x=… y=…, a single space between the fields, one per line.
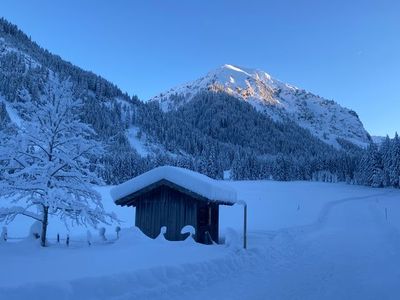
x=224 y=133
x=212 y=133
x=28 y=71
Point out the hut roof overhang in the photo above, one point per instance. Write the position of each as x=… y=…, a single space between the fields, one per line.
x=189 y=182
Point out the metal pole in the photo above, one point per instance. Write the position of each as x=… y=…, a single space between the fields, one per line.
x=245 y=226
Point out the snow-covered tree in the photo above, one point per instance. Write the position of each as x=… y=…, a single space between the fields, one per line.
x=49 y=165
x=370 y=170
x=375 y=161
x=386 y=153
x=394 y=173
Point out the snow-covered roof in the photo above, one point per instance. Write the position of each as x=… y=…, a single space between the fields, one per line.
x=195 y=182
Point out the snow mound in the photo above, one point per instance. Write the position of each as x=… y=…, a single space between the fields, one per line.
x=132 y=236
x=195 y=182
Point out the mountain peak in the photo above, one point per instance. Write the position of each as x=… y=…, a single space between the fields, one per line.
x=228 y=72
x=244 y=83
x=232 y=67
x=247 y=71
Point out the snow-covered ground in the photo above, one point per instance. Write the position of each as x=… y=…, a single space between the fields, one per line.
x=306 y=241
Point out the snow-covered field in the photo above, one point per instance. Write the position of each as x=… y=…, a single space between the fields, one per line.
x=306 y=241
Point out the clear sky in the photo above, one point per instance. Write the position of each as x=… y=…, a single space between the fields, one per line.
x=348 y=51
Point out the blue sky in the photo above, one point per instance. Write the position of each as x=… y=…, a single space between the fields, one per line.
x=348 y=51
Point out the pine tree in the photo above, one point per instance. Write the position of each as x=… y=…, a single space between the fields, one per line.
x=395 y=156
x=370 y=170
x=386 y=152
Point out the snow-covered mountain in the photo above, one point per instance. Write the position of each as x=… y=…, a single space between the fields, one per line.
x=324 y=118
x=215 y=132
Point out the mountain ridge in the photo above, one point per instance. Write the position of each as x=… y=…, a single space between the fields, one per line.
x=325 y=118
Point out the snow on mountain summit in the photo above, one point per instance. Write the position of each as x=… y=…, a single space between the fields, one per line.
x=240 y=82
x=324 y=118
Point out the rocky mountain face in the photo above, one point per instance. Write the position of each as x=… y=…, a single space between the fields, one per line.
x=324 y=118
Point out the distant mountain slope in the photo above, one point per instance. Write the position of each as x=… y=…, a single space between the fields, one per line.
x=25 y=68
x=324 y=118
x=28 y=72
x=214 y=132
x=219 y=132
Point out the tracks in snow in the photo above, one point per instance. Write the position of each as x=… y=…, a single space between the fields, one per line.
x=321 y=219
x=253 y=274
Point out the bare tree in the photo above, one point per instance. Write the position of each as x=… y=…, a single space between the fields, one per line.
x=48 y=166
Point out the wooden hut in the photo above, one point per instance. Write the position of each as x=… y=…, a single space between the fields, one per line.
x=175 y=197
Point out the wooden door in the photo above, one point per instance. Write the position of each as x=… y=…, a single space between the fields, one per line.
x=203 y=224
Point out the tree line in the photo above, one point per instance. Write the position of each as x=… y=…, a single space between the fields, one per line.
x=379 y=165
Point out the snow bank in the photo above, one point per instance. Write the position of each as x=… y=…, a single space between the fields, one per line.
x=159 y=282
x=27 y=264
x=195 y=182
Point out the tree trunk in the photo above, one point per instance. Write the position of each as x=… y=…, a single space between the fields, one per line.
x=44 y=226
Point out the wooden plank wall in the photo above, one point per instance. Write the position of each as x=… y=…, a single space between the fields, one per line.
x=165 y=206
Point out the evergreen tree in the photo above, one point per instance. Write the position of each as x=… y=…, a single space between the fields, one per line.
x=387 y=162
x=394 y=173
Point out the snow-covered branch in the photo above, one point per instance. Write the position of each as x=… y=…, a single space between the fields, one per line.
x=48 y=163
x=8 y=214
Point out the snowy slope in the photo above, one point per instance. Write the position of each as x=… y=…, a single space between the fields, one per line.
x=378 y=139
x=324 y=118
x=307 y=240
x=144 y=144
x=12 y=113
x=138 y=141
x=5 y=48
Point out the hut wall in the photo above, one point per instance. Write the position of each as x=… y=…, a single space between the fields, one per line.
x=165 y=206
